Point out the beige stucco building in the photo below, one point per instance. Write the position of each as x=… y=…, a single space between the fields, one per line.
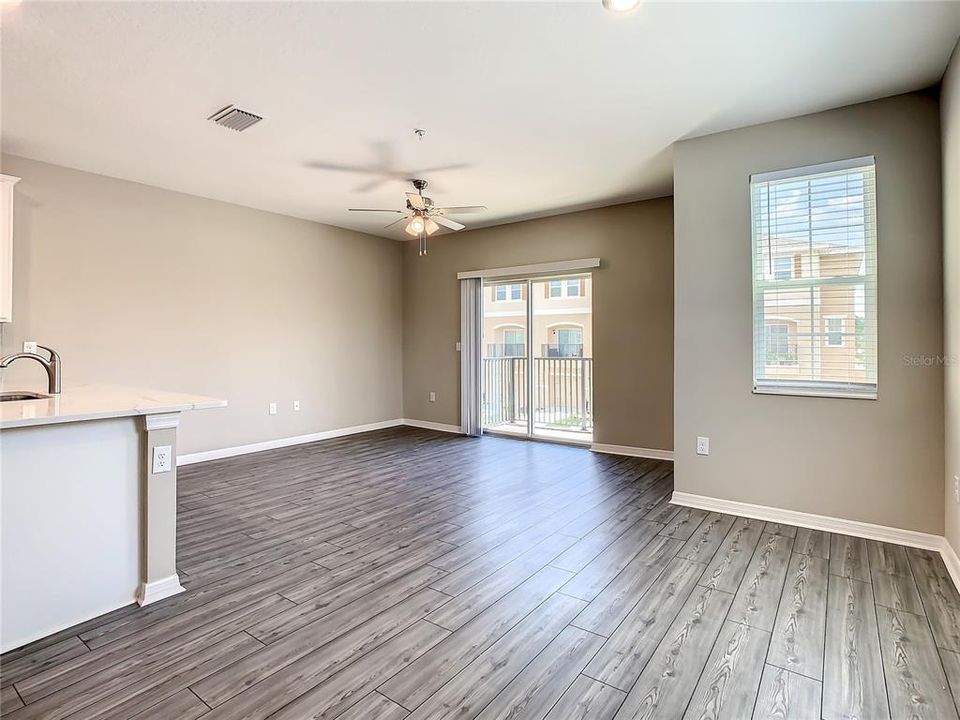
x=562 y=319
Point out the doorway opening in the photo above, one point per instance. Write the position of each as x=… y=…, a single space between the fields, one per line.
x=537 y=358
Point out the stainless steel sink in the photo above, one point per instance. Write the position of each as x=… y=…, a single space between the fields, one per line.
x=24 y=395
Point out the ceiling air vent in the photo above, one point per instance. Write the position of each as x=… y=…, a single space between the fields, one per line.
x=234 y=118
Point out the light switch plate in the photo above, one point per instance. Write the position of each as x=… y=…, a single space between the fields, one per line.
x=162 y=459
x=296 y=406
x=433 y=396
x=703 y=446
x=30 y=346
x=272 y=409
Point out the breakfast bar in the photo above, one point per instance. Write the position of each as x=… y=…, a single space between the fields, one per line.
x=88 y=500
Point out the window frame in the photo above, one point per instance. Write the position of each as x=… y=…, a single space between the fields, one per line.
x=763 y=281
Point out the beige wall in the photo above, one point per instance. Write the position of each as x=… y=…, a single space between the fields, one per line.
x=950 y=129
x=632 y=313
x=140 y=286
x=875 y=461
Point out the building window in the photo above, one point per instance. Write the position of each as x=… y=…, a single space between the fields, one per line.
x=514 y=342
x=814 y=237
x=568 y=342
x=780 y=344
x=833 y=331
x=782 y=267
x=564 y=288
x=503 y=293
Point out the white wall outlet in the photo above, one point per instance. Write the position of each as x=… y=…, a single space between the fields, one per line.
x=30 y=346
x=273 y=408
x=296 y=406
x=956 y=489
x=162 y=459
x=458 y=347
x=433 y=396
x=703 y=446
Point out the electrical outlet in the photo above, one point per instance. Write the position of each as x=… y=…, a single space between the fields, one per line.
x=273 y=408
x=162 y=459
x=30 y=346
x=703 y=446
x=296 y=406
x=433 y=396
x=956 y=489
x=458 y=347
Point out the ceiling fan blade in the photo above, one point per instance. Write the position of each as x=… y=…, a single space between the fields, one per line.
x=448 y=223
x=462 y=209
x=398 y=220
x=430 y=226
x=320 y=165
x=373 y=210
x=439 y=168
x=416 y=201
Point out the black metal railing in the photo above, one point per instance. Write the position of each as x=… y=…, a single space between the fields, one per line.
x=562 y=392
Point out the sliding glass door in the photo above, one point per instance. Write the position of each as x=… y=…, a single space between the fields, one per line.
x=537 y=364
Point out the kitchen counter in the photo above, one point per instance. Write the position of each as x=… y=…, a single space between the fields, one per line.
x=98 y=402
x=88 y=505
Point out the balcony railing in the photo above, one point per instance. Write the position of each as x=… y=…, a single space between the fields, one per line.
x=571 y=350
x=562 y=392
x=506 y=350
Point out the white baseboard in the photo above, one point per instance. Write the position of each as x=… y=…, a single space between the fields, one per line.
x=826 y=523
x=427 y=425
x=190 y=458
x=952 y=562
x=157 y=590
x=883 y=533
x=633 y=451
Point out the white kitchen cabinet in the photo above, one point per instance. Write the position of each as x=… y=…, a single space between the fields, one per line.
x=7 y=183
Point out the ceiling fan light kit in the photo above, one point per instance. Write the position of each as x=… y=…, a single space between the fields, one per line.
x=621 y=7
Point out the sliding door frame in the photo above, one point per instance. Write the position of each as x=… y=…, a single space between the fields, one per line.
x=528 y=281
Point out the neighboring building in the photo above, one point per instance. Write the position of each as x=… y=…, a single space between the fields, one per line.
x=562 y=319
x=815 y=332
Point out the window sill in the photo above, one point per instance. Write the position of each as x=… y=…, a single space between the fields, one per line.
x=795 y=391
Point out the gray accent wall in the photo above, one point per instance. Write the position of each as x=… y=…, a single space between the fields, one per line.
x=874 y=461
x=135 y=285
x=632 y=313
x=950 y=132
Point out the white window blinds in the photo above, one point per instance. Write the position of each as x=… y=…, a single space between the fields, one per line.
x=815 y=280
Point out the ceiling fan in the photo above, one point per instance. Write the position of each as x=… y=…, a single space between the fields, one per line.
x=422 y=218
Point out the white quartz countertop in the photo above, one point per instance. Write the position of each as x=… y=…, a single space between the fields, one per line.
x=97 y=402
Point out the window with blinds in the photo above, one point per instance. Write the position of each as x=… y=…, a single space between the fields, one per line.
x=815 y=280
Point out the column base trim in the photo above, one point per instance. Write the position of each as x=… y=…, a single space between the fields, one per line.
x=152 y=592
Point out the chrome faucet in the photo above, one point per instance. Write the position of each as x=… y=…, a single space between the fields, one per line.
x=51 y=365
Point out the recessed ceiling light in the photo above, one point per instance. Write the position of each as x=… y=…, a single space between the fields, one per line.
x=621 y=6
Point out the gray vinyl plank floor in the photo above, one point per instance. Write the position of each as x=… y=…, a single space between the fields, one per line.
x=409 y=574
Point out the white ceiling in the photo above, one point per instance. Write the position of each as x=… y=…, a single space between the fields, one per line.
x=548 y=107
